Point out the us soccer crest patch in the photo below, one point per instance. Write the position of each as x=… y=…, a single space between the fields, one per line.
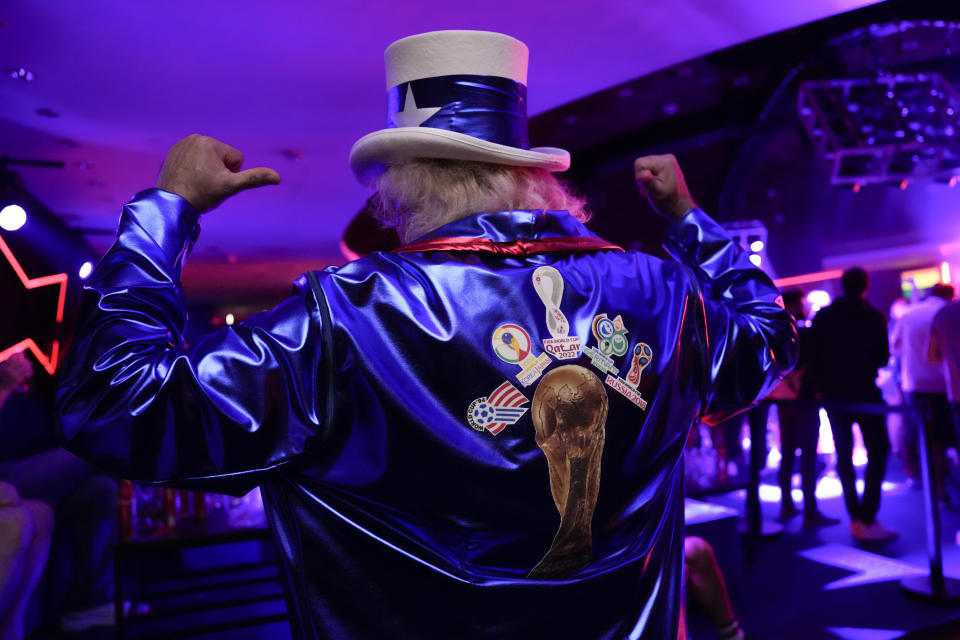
x=495 y=412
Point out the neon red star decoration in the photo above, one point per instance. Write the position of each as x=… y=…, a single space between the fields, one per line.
x=47 y=362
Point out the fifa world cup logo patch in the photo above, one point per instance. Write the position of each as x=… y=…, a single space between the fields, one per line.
x=548 y=283
x=512 y=344
x=495 y=412
x=611 y=335
x=642 y=357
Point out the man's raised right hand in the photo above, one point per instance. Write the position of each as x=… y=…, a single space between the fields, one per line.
x=206 y=172
x=661 y=181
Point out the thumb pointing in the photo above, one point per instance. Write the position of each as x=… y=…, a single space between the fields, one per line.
x=254 y=178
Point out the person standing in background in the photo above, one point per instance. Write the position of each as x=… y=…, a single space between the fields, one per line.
x=923 y=383
x=799 y=420
x=25 y=528
x=945 y=350
x=76 y=592
x=851 y=338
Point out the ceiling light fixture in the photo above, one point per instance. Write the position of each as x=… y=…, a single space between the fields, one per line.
x=21 y=73
x=12 y=217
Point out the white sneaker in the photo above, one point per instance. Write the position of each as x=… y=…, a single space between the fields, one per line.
x=876 y=532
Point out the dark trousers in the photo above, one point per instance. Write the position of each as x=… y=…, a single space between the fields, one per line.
x=757 y=419
x=799 y=429
x=931 y=412
x=955 y=409
x=875 y=439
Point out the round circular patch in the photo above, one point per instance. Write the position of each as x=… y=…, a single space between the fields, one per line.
x=479 y=414
x=511 y=343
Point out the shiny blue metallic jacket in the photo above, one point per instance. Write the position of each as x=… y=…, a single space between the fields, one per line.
x=477 y=436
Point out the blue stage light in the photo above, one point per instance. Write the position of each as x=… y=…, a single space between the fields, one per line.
x=85 y=270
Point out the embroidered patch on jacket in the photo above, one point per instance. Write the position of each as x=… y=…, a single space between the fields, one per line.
x=512 y=344
x=495 y=412
x=626 y=391
x=642 y=357
x=548 y=284
x=611 y=337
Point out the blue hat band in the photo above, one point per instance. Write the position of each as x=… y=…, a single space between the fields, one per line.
x=487 y=107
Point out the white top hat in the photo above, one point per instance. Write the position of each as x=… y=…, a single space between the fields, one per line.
x=459 y=95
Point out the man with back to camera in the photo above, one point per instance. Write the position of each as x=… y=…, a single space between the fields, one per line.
x=479 y=434
x=799 y=419
x=851 y=340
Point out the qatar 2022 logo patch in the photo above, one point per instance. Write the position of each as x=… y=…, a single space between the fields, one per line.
x=495 y=412
x=548 y=283
x=512 y=344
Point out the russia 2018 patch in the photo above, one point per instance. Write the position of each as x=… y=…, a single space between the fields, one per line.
x=501 y=408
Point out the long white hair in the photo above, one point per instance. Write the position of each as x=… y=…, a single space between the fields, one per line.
x=420 y=195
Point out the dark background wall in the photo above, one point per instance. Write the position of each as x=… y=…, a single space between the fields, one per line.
x=731 y=119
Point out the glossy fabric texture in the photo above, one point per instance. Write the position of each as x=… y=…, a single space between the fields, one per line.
x=354 y=405
x=487 y=107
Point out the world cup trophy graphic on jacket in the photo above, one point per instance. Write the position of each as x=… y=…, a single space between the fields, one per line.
x=569 y=415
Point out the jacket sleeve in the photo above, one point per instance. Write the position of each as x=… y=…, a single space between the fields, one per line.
x=217 y=414
x=751 y=341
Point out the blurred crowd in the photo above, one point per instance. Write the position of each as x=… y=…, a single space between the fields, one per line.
x=895 y=376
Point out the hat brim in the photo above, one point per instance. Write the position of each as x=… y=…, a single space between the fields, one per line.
x=374 y=152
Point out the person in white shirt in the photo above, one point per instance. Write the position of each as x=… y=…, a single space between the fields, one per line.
x=923 y=382
x=945 y=351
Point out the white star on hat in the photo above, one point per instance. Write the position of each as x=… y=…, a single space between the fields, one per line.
x=412 y=116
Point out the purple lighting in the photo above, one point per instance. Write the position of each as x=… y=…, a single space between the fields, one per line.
x=12 y=217
x=21 y=74
x=85 y=270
